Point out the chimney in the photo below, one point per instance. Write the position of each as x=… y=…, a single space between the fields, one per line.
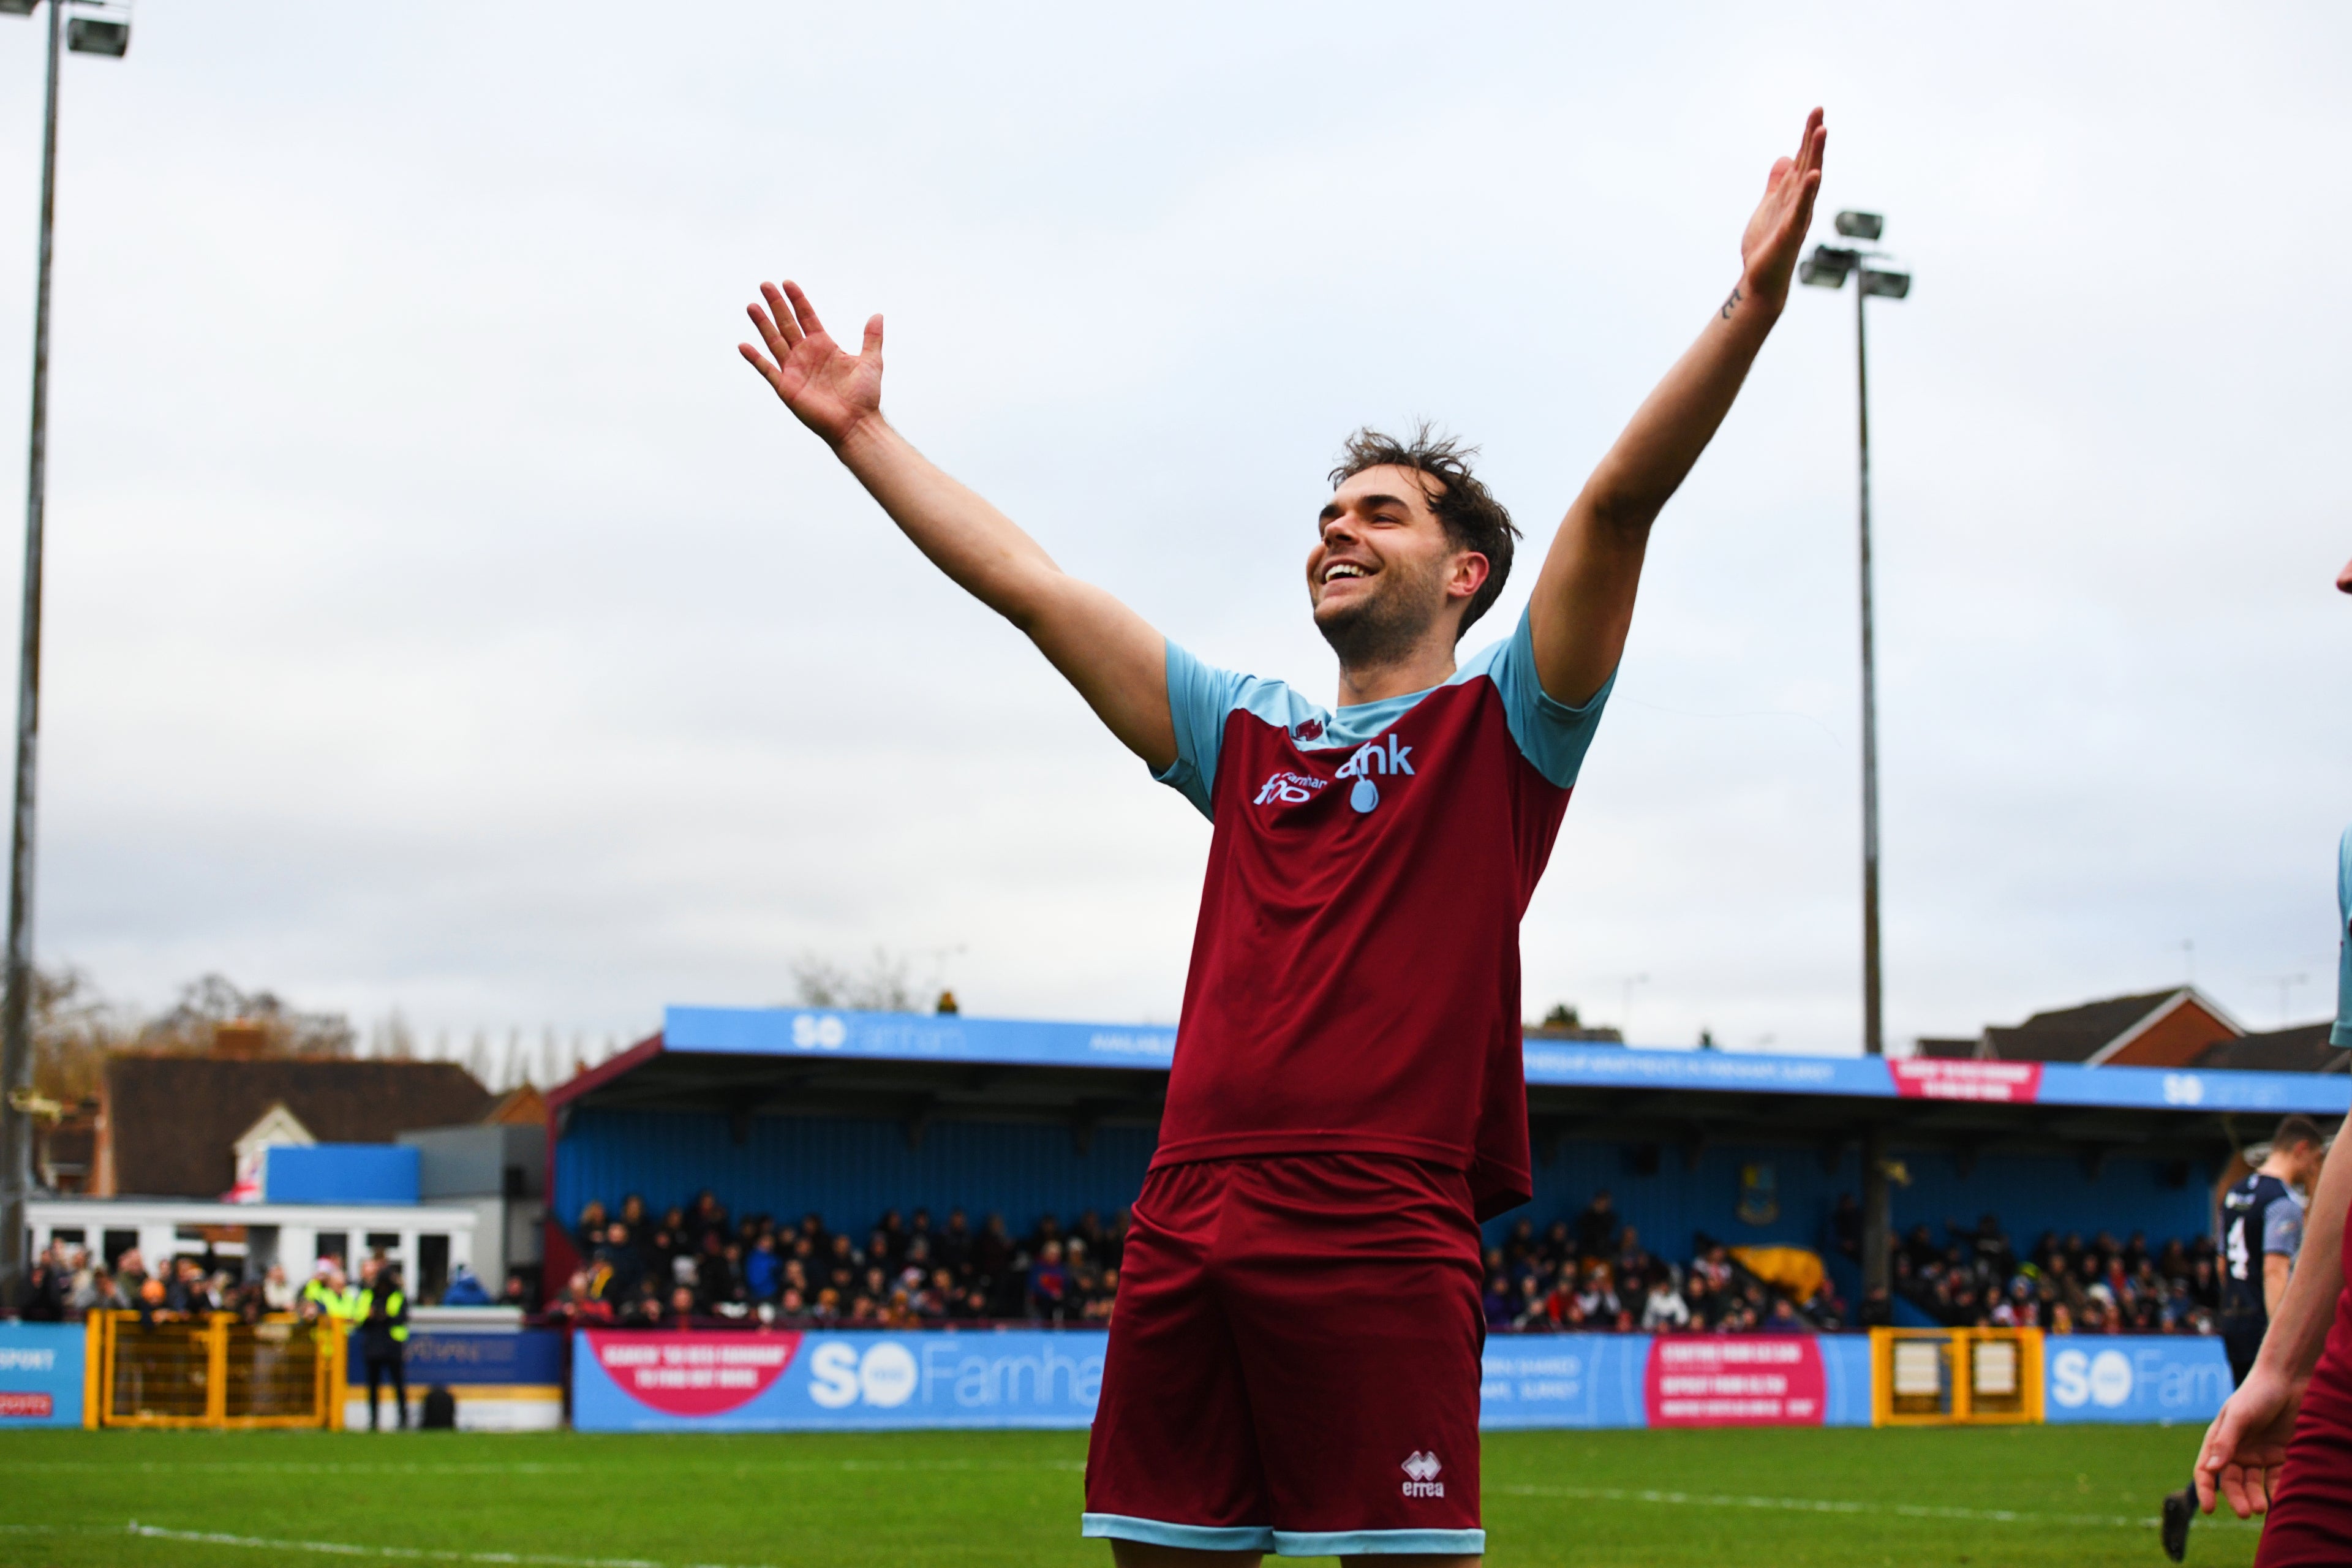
x=240 y=1039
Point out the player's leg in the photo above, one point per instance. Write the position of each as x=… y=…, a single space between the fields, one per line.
x=1352 y=1285
x=2180 y=1510
x=1143 y=1555
x=1172 y=1467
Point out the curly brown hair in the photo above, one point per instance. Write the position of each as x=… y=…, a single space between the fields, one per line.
x=1473 y=519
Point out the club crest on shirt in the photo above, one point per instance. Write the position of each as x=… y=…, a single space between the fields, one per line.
x=1307 y=730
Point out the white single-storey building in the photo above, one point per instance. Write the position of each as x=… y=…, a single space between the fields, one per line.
x=427 y=1240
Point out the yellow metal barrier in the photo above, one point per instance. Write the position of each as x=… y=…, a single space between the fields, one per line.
x=217 y=1372
x=1945 y=1377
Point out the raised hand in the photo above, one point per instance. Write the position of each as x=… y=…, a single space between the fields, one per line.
x=827 y=390
x=2246 y=1444
x=1768 y=251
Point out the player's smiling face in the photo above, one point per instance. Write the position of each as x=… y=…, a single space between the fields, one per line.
x=1382 y=569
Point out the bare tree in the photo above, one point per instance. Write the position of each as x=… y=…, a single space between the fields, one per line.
x=205 y=1005
x=880 y=986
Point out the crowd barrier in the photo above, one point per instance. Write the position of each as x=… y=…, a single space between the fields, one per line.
x=624 y=1382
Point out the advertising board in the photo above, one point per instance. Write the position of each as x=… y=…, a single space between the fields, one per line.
x=41 y=1374
x=503 y=1380
x=626 y=1382
x=2134 y=1379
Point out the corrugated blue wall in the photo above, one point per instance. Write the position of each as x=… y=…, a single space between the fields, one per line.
x=847 y=1170
x=851 y=1170
x=2030 y=1195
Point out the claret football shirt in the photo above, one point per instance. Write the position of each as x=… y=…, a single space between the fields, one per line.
x=1355 y=975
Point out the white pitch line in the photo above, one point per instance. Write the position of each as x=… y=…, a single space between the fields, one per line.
x=1827 y=1505
x=259 y=1467
x=401 y=1554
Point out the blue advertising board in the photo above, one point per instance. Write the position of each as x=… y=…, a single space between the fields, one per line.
x=531 y=1356
x=2133 y=1379
x=41 y=1374
x=1563 y=1380
x=911 y=1036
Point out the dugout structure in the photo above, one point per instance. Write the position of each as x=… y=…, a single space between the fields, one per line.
x=790 y=1109
x=215 y=1371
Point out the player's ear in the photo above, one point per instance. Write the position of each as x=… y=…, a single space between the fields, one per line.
x=1471 y=570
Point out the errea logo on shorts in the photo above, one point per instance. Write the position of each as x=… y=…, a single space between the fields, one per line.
x=1421 y=1476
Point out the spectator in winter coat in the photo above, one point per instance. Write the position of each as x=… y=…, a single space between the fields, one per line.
x=1665 y=1310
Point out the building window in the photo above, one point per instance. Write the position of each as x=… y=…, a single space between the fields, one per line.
x=432 y=1266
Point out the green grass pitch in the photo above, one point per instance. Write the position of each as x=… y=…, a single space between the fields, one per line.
x=1788 y=1499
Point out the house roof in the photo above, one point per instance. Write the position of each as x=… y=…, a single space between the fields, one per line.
x=1947 y=1049
x=2303 y=1048
x=2076 y=1034
x=173 y=1121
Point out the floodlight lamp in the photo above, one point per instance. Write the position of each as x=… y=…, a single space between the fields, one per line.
x=1861 y=226
x=1826 y=268
x=1886 y=285
x=90 y=36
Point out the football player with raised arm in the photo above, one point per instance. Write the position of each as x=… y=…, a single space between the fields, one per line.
x=2283 y=1444
x=1293 y=1364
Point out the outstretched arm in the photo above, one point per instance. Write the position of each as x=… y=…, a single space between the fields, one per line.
x=1584 y=603
x=1112 y=656
x=2247 y=1442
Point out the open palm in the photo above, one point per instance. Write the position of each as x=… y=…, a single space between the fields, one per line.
x=829 y=391
x=1768 y=251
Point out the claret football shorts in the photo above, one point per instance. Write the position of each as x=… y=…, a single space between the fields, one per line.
x=1294 y=1361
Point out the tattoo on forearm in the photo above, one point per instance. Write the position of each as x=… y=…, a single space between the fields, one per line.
x=1729 y=302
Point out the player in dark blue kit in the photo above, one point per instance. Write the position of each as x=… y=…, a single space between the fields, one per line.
x=2262 y=1231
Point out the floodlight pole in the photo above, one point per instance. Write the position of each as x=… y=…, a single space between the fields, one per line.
x=16 y=1005
x=1830 y=266
x=1874 y=1039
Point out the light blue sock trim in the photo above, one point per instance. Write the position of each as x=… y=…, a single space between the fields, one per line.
x=1351 y=1542
x=1199 y=1537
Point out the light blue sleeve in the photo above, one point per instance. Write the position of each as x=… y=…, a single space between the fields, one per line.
x=2342 y=1034
x=2282 y=1227
x=1200 y=696
x=1552 y=735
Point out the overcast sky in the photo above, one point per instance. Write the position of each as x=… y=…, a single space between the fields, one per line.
x=441 y=617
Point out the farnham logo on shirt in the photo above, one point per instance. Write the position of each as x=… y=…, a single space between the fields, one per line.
x=1289 y=788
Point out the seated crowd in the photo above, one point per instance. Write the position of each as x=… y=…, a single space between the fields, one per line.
x=700 y=1263
x=1593 y=1275
x=1975 y=1278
